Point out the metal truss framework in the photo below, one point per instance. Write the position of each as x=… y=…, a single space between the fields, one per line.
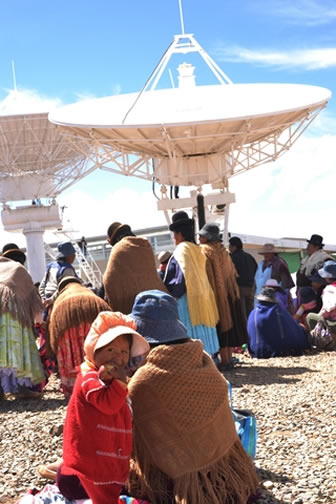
x=103 y=152
x=32 y=148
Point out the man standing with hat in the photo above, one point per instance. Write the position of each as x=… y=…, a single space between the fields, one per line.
x=272 y=266
x=57 y=270
x=246 y=267
x=312 y=262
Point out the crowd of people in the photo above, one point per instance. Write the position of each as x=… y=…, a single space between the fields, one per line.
x=141 y=364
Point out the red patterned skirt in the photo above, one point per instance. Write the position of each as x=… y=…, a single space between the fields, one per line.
x=70 y=355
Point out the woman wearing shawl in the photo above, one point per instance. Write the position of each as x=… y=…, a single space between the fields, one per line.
x=185 y=445
x=21 y=370
x=231 y=328
x=186 y=279
x=75 y=308
x=272 y=331
x=130 y=269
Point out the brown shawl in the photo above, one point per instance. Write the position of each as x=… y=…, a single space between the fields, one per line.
x=131 y=269
x=184 y=431
x=75 y=305
x=222 y=277
x=18 y=294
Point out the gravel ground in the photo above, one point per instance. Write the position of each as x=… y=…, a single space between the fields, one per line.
x=294 y=399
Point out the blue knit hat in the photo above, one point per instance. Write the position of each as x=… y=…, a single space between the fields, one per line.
x=156 y=317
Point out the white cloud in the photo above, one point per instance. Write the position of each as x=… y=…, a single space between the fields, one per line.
x=89 y=215
x=303 y=12
x=27 y=101
x=292 y=197
x=308 y=59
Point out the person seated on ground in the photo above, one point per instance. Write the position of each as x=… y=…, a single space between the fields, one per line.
x=222 y=275
x=272 y=331
x=56 y=270
x=323 y=324
x=97 y=439
x=308 y=304
x=281 y=294
x=273 y=266
x=163 y=259
x=130 y=269
x=74 y=310
x=21 y=371
x=185 y=447
x=318 y=283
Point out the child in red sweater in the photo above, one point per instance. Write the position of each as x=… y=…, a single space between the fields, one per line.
x=97 y=439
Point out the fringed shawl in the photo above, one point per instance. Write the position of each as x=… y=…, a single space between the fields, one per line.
x=184 y=433
x=200 y=296
x=75 y=305
x=18 y=294
x=131 y=269
x=222 y=277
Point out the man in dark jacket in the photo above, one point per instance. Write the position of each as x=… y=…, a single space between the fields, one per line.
x=246 y=267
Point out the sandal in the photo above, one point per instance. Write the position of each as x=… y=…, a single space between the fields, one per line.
x=46 y=473
x=225 y=367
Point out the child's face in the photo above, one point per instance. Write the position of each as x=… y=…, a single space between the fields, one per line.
x=117 y=351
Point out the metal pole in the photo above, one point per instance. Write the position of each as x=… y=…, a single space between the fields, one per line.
x=181 y=17
x=14 y=77
x=226 y=223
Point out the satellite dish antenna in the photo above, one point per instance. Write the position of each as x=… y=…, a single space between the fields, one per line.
x=35 y=162
x=192 y=135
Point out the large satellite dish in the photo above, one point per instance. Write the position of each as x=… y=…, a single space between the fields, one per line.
x=192 y=135
x=195 y=134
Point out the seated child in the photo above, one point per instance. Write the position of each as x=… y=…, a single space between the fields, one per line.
x=97 y=439
x=308 y=304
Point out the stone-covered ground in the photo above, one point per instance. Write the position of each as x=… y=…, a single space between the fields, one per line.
x=293 y=398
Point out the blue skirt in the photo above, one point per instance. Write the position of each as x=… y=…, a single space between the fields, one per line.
x=208 y=335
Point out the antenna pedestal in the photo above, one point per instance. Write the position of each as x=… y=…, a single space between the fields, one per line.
x=32 y=221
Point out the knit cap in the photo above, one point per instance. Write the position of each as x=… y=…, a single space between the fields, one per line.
x=106 y=328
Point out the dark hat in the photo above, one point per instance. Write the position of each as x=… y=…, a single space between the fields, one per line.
x=211 y=232
x=12 y=251
x=328 y=270
x=67 y=280
x=316 y=239
x=269 y=248
x=164 y=257
x=267 y=294
x=317 y=278
x=180 y=219
x=115 y=230
x=235 y=241
x=156 y=317
x=307 y=295
x=65 y=249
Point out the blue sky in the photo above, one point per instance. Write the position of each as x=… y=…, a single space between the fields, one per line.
x=67 y=50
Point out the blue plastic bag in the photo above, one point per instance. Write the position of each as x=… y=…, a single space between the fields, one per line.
x=246 y=427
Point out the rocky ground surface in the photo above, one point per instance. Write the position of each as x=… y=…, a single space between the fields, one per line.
x=293 y=398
